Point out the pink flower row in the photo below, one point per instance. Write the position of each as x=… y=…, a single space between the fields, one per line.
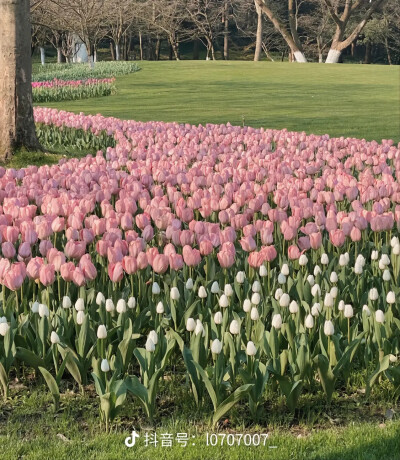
x=60 y=83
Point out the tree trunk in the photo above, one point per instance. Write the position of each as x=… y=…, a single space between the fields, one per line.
x=333 y=56
x=257 y=53
x=389 y=57
x=367 y=57
x=59 y=56
x=141 y=46
x=112 y=51
x=17 y=127
x=117 y=52
x=42 y=56
x=226 y=32
x=158 y=49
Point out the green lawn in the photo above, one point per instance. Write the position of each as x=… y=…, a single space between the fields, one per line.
x=341 y=100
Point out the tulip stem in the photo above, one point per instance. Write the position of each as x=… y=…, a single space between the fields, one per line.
x=348 y=331
x=16 y=302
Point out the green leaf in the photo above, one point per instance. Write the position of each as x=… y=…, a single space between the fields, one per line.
x=326 y=375
x=382 y=366
x=4 y=380
x=230 y=401
x=207 y=384
x=29 y=358
x=53 y=386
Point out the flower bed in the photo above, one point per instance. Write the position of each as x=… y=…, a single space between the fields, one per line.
x=246 y=258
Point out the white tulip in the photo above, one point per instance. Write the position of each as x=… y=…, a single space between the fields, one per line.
x=309 y=322
x=278 y=293
x=254 y=314
x=4 y=327
x=150 y=346
x=373 y=294
x=366 y=310
x=396 y=250
x=385 y=259
x=392 y=358
x=281 y=278
x=54 y=338
x=374 y=255
x=303 y=260
x=154 y=337
x=328 y=301
x=155 y=288
x=381 y=265
x=160 y=308
x=202 y=292
x=240 y=276
x=110 y=305
x=215 y=287
x=174 y=294
x=358 y=269
x=101 y=332
x=80 y=316
x=104 y=366
x=246 y=305
x=263 y=271
x=360 y=260
x=284 y=300
x=343 y=260
x=228 y=291
x=333 y=278
x=316 y=290
x=341 y=305
x=121 y=306
x=277 y=321
x=390 y=298
x=216 y=347
x=317 y=270
x=256 y=287
x=328 y=328
x=131 y=302
x=255 y=298
x=334 y=292
x=218 y=318
x=35 y=307
x=324 y=259
x=251 y=349
x=199 y=329
x=189 y=284
x=379 y=316
x=100 y=298
x=311 y=280
x=316 y=309
x=348 y=311
x=190 y=324
x=285 y=269
x=293 y=307
x=79 y=305
x=43 y=310
x=394 y=241
x=234 y=327
x=66 y=302
x=223 y=301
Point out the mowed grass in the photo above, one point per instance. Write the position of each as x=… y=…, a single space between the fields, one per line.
x=340 y=100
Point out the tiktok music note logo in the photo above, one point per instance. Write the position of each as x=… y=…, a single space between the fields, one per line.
x=130 y=441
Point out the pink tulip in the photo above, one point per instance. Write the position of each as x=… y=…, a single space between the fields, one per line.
x=130 y=265
x=116 y=272
x=47 y=274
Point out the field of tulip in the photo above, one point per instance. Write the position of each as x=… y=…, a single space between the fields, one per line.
x=241 y=260
x=68 y=90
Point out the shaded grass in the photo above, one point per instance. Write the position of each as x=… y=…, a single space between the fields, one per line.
x=341 y=100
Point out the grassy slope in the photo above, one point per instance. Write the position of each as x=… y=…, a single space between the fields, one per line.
x=341 y=100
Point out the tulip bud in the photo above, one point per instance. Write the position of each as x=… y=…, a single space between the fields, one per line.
x=328 y=301
x=263 y=271
x=216 y=347
x=35 y=307
x=309 y=322
x=121 y=306
x=390 y=298
x=234 y=327
x=104 y=366
x=394 y=241
x=278 y=294
x=80 y=316
x=174 y=294
x=360 y=260
x=255 y=298
x=385 y=259
x=373 y=294
x=333 y=278
x=381 y=265
x=303 y=260
x=281 y=278
x=202 y=292
x=131 y=302
x=254 y=314
x=366 y=310
x=316 y=309
x=66 y=302
x=190 y=324
x=228 y=291
x=215 y=287
x=155 y=288
x=379 y=316
x=199 y=328
x=79 y=305
x=4 y=327
x=189 y=284
x=251 y=349
x=150 y=346
x=218 y=318
x=334 y=292
x=285 y=269
x=324 y=259
x=277 y=321
x=316 y=290
x=396 y=250
x=43 y=310
x=160 y=308
x=311 y=280
x=343 y=260
x=341 y=305
x=358 y=269
x=284 y=300
x=293 y=307
x=101 y=332
x=256 y=287
x=246 y=305
x=317 y=270
x=328 y=328
x=392 y=358
x=374 y=255
x=348 y=311
x=240 y=276
x=100 y=298
x=54 y=338
x=223 y=301
x=110 y=305
x=154 y=337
